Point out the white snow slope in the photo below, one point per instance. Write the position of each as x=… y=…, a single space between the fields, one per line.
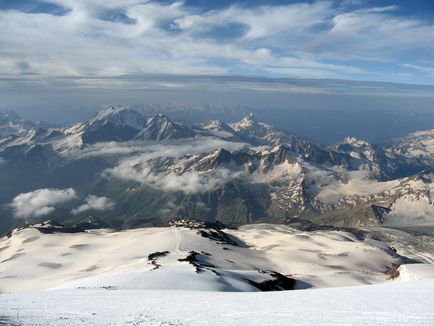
x=31 y=261
x=105 y=278
x=386 y=304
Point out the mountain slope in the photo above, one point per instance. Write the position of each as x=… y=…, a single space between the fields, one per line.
x=250 y=258
x=417 y=148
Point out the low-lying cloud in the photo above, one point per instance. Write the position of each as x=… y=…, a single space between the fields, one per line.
x=189 y=182
x=140 y=168
x=40 y=202
x=95 y=203
x=152 y=150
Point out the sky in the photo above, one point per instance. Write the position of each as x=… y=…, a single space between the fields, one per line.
x=61 y=46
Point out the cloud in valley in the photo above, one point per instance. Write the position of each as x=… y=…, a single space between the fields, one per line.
x=140 y=168
x=151 y=150
x=189 y=182
x=40 y=202
x=96 y=203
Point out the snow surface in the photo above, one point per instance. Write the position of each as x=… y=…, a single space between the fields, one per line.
x=408 y=303
x=321 y=258
x=410 y=211
x=31 y=261
x=103 y=277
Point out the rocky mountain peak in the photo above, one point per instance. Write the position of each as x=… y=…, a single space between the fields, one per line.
x=247 y=122
x=355 y=142
x=121 y=116
x=160 y=127
x=217 y=125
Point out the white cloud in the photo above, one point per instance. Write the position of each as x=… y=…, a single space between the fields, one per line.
x=141 y=168
x=375 y=34
x=188 y=182
x=40 y=202
x=425 y=69
x=262 y=21
x=94 y=203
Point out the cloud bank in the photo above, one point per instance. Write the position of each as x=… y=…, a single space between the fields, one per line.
x=40 y=202
x=151 y=150
x=189 y=182
x=143 y=168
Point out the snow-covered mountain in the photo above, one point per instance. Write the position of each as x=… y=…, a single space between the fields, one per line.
x=417 y=147
x=103 y=276
x=192 y=256
x=221 y=130
x=11 y=124
x=364 y=156
x=278 y=184
x=260 y=133
x=238 y=173
x=133 y=203
x=160 y=127
x=121 y=124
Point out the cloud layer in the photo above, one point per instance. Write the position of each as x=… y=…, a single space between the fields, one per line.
x=189 y=182
x=40 y=202
x=320 y=39
x=141 y=168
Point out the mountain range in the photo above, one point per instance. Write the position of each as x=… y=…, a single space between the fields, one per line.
x=128 y=170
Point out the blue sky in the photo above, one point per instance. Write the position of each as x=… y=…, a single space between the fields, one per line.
x=390 y=41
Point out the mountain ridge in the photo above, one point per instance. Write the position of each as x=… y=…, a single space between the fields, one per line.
x=238 y=173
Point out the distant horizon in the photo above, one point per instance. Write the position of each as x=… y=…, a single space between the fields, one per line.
x=62 y=59
x=73 y=99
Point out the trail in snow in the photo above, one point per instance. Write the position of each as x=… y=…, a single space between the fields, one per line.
x=178 y=234
x=172 y=258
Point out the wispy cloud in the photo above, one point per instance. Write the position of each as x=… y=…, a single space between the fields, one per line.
x=425 y=69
